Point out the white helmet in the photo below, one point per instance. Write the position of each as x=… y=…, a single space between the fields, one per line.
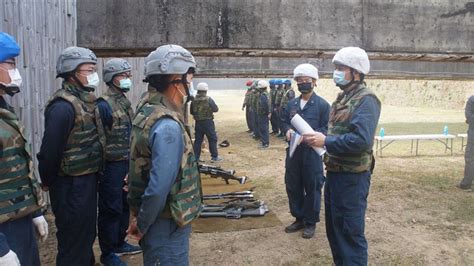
x=305 y=70
x=202 y=86
x=262 y=84
x=353 y=57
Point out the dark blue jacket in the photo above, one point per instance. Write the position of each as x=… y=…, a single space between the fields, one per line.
x=315 y=112
x=59 y=121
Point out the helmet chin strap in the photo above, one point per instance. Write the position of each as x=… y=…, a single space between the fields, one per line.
x=348 y=85
x=185 y=83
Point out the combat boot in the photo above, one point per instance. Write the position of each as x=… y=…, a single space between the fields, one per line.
x=294 y=227
x=309 y=230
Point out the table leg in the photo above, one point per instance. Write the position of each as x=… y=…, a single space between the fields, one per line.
x=451 y=147
x=416 y=154
x=381 y=148
x=376 y=147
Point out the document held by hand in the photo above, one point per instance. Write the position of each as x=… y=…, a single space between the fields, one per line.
x=304 y=128
x=294 y=142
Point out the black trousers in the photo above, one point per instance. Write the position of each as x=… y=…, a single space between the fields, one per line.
x=74 y=203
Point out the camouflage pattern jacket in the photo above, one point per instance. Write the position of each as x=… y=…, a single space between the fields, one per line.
x=184 y=200
x=19 y=189
x=201 y=108
x=339 y=124
x=117 y=141
x=83 y=154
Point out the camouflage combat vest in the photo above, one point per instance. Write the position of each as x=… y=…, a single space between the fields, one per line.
x=83 y=152
x=20 y=193
x=339 y=124
x=273 y=92
x=117 y=141
x=262 y=110
x=247 y=98
x=201 y=108
x=255 y=98
x=279 y=95
x=286 y=98
x=184 y=200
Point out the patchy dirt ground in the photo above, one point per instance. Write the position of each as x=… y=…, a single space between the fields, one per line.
x=416 y=216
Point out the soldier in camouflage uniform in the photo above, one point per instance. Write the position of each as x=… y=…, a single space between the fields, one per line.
x=254 y=104
x=116 y=114
x=264 y=113
x=246 y=106
x=70 y=157
x=21 y=201
x=349 y=162
x=278 y=97
x=202 y=109
x=288 y=95
x=164 y=183
x=274 y=119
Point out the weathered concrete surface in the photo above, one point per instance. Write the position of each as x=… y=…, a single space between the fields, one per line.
x=270 y=37
x=416 y=26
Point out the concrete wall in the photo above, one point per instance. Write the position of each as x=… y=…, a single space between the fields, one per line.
x=270 y=37
x=416 y=26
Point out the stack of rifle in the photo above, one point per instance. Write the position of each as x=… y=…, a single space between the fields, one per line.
x=217 y=172
x=239 y=204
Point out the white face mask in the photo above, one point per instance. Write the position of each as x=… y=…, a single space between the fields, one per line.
x=15 y=78
x=92 y=81
x=15 y=82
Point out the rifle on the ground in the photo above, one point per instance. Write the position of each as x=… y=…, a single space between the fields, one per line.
x=235 y=209
x=247 y=194
x=215 y=172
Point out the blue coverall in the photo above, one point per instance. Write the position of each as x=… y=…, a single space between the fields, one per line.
x=304 y=176
x=345 y=194
x=207 y=128
x=163 y=241
x=73 y=199
x=114 y=212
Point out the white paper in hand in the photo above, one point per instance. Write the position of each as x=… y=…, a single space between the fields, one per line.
x=304 y=128
x=294 y=142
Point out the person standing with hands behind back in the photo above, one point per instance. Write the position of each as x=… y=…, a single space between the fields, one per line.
x=164 y=182
x=70 y=157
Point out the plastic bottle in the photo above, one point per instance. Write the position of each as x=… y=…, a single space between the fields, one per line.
x=382 y=132
x=445 y=130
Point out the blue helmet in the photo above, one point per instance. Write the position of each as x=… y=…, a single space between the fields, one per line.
x=278 y=82
x=287 y=82
x=272 y=82
x=8 y=47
